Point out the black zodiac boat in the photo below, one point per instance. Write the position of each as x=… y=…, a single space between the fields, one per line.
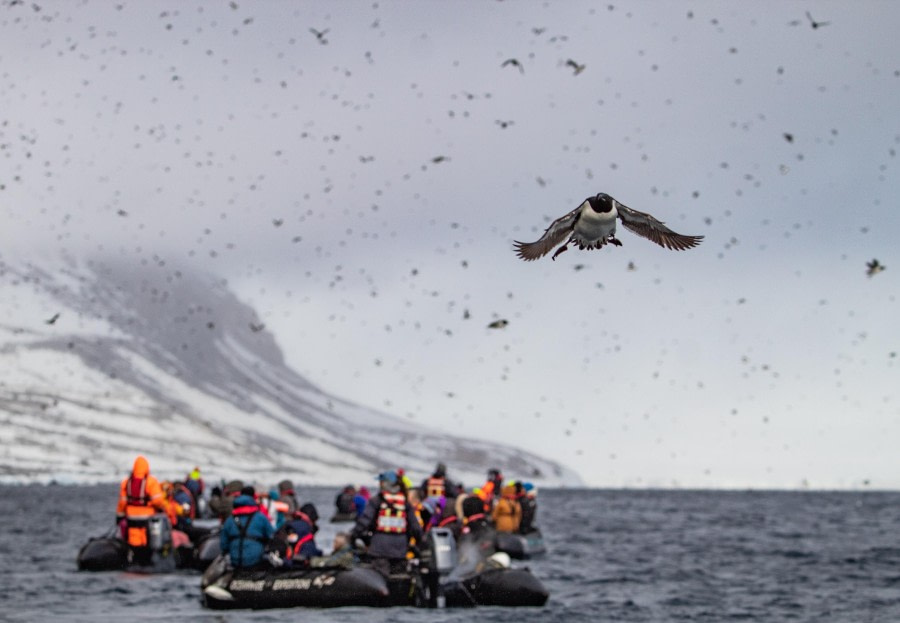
x=521 y=546
x=160 y=555
x=427 y=583
x=343 y=517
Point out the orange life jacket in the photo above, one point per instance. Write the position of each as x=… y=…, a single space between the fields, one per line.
x=435 y=487
x=139 y=502
x=391 y=517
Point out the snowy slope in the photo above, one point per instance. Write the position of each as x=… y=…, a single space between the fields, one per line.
x=155 y=360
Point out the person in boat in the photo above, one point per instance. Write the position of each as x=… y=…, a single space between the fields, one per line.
x=275 y=508
x=407 y=481
x=360 y=499
x=222 y=500
x=437 y=509
x=415 y=498
x=490 y=490
x=342 y=554
x=528 y=501
x=140 y=497
x=438 y=484
x=181 y=501
x=300 y=533
x=477 y=541
x=507 y=512
x=194 y=482
x=178 y=512
x=344 y=501
x=449 y=517
x=387 y=525
x=287 y=495
x=245 y=533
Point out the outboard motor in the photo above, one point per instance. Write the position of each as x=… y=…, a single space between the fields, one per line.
x=160 y=532
x=150 y=542
x=443 y=559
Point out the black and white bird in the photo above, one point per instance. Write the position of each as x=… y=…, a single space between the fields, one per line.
x=874 y=267
x=592 y=225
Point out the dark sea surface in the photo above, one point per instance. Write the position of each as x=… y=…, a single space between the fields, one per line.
x=613 y=556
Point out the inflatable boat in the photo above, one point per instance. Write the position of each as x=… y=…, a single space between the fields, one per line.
x=343 y=517
x=429 y=582
x=521 y=546
x=165 y=551
x=316 y=588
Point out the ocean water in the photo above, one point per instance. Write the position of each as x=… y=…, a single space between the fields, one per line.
x=613 y=556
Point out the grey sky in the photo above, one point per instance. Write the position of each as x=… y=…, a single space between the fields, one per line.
x=234 y=139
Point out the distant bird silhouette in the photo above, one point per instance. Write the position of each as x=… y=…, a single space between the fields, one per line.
x=874 y=267
x=538 y=31
x=439 y=159
x=53 y=319
x=498 y=324
x=256 y=328
x=320 y=35
x=122 y=213
x=514 y=62
x=578 y=68
x=592 y=225
x=814 y=23
x=277 y=222
x=504 y=124
x=788 y=137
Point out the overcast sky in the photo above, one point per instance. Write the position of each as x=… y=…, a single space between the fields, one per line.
x=362 y=188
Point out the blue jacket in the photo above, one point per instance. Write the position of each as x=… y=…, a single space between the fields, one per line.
x=305 y=537
x=245 y=533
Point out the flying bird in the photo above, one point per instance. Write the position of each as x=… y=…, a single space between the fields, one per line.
x=814 y=23
x=256 y=328
x=592 y=225
x=53 y=319
x=320 y=35
x=872 y=268
x=514 y=62
x=498 y=324
x=575 y=66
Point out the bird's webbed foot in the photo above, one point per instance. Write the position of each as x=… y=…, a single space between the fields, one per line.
x=614 y=241
x=565 y=247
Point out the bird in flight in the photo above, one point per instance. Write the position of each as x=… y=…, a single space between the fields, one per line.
x=874 y=267
x=514 y=62
x=592 y=225
x=578 y=68
x=56 y=317
x=814 y=23
x=498 y=324
x=320 y=35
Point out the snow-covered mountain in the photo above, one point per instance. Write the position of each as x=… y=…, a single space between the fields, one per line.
x=148 y=358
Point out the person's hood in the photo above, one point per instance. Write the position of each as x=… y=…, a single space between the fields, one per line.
x=141 y=467
x=244 y=500
x=310 y=511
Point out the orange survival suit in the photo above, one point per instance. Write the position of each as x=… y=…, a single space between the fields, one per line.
x=140 y=496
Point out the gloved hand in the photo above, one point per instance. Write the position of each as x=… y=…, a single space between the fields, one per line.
x=274 y=559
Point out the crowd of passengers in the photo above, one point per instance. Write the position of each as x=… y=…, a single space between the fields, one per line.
x=271 y=528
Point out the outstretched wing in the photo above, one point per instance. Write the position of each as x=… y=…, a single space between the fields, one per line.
x=556 y=234
x=649 y=227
